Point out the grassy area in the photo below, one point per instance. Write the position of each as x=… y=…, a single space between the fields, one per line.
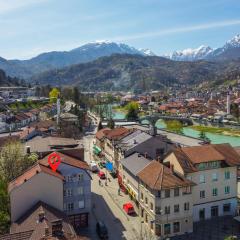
x=217 y=130
x=26 y=105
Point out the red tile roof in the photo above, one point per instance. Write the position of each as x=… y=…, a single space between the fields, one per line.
x=189 y=156
x=117 y=133
x=31 y=172
x=67 y=160
x=102 y=133
x=157 y=176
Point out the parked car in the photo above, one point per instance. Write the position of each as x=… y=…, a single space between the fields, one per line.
x=101 y=230
x=128 y=208
x=93 y=166
x=101 y=175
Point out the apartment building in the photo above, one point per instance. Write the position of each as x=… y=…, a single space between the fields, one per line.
x=38 y=183
x=76 y=188
x=128 y=170
x=166 y=200
x=214 y=170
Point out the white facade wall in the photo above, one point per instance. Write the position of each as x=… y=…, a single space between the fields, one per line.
x=41 y=187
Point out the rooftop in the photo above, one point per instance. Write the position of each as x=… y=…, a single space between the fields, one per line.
x=157 y=176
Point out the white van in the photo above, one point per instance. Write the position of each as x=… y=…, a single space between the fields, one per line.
x=93 y=166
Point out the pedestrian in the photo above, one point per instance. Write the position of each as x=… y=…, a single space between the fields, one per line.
x=99 y=182
x=106 y=182
x=119 y=191
x=109 y=179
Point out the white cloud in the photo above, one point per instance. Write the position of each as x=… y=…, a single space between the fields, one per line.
x=12 y=5
x=169 y=31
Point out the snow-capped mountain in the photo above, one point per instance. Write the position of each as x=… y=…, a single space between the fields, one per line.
x=190 y=54
x=230 y=50
x=147 y=52
x=58 y=59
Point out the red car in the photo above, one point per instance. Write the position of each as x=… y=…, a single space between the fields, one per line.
x=101 y=175
x=128 y=208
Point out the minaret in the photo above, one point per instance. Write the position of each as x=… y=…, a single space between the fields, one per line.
x=228 y=102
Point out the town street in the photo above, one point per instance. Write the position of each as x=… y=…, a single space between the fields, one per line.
x=107 y=204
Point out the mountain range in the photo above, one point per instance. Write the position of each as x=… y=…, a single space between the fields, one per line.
x=137 y=72
x=230 y=50
x=55 y=60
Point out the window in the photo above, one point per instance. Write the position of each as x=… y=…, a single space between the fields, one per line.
x=227 y=175
x=64 y=193
x=80 y=190
x=69 y=192
x=146 y=201
x=146 y=218
x=80 y=177
x=202 y=194
x=64 y=206
x=186 y=206
x=227 y=190
x=227 y=207
x=189 y=178
x=167 y=193
x=176 y=192
x=214 y=192
x=151 y=206
x=167 y=228
x=176 y=227
x=81 y=204
x=69 y=178
x=158 y=210
x=151 y=224
x=70 y=206
x=202 y=179
x=214 y=177
x=159 y=194
x=176 y=208
x=141 y=196
x=167 y=210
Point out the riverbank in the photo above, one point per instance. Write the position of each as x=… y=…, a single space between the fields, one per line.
x=223 y=130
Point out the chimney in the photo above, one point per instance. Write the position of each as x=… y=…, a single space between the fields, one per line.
x=46 y=231
x=41 y=216
x=28 y=149
x=145 y=154
x=152 y=130
x=160 y=153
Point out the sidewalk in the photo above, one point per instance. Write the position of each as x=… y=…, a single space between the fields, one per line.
x=112 y=190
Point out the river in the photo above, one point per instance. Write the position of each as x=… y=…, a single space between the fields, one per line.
x=215 y=138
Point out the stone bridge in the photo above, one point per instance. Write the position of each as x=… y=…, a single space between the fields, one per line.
x=152 y=119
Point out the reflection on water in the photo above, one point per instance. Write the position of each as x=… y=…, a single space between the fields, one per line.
x=215 y=138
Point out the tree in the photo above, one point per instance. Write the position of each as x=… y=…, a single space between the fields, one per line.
x=53 y=95
x=100 y=126
x=174 y=126
x=76 y=95
x=13 y=161
x=235 y=110
x=132 y=110
x=203 y=136
x=4 y=207
x=111 y=123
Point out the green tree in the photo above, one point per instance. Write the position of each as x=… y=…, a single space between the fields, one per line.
x=76 y=95
x=4 y=207
x=111 y=123
x=53 y=95
x=174 y=126
x=235 y=110
x=13 y=161
x=132 y=110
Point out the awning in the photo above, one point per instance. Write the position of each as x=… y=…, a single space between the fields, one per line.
x=96 y=149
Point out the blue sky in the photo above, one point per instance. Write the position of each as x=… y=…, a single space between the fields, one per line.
x=30 y=27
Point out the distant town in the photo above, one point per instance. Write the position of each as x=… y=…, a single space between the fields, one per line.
x=150 y=165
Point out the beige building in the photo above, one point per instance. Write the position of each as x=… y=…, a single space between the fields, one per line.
x=166 y=201
x=38 y=183
x=214 y=170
